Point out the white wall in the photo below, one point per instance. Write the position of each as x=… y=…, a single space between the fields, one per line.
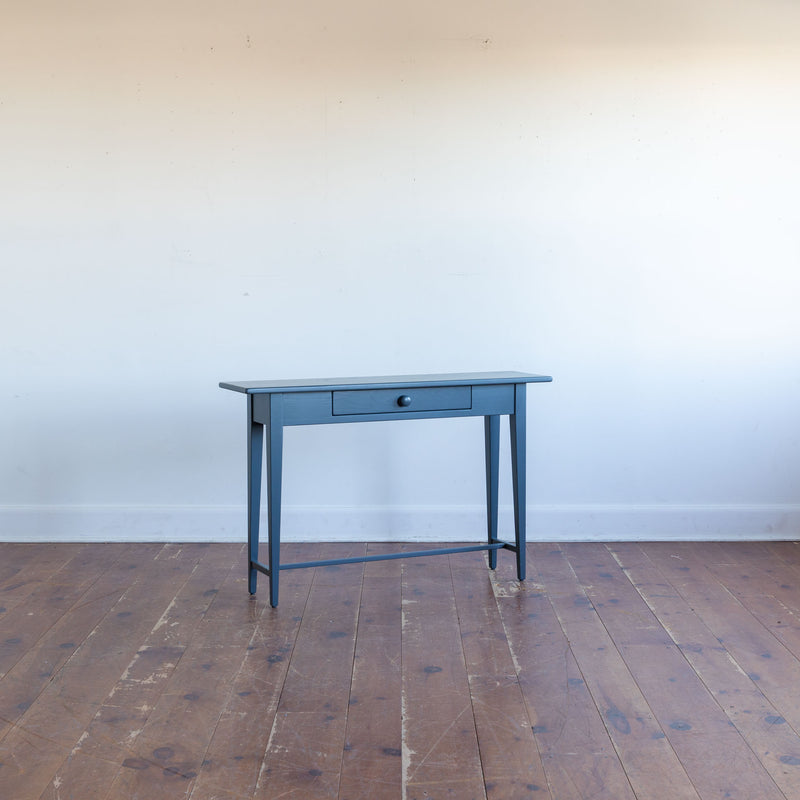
x=206 y=191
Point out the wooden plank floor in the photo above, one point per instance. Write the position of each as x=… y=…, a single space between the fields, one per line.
x=666 y=671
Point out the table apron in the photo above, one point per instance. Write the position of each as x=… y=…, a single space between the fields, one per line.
x=317 y=408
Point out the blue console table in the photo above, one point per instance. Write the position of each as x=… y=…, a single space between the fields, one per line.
x=271 y=405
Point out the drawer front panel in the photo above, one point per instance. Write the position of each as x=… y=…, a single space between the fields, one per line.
x=385 y=401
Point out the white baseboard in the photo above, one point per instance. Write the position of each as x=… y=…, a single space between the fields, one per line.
x=590 y=523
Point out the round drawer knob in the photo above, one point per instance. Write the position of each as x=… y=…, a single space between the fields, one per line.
x=404 y=400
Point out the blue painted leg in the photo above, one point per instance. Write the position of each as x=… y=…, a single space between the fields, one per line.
x=255 y=449
x=517 y=425
x=492 y=443
x=274 y=470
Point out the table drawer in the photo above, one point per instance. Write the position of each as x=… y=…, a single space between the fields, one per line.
x=386 y=401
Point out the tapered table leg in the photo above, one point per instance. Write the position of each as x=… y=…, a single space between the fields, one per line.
x=517 y=425
x=274 y=471
x=492 y=445
x=255 y=450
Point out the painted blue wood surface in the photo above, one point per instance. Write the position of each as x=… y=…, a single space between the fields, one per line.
x=385 y=381
x=272 y=405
